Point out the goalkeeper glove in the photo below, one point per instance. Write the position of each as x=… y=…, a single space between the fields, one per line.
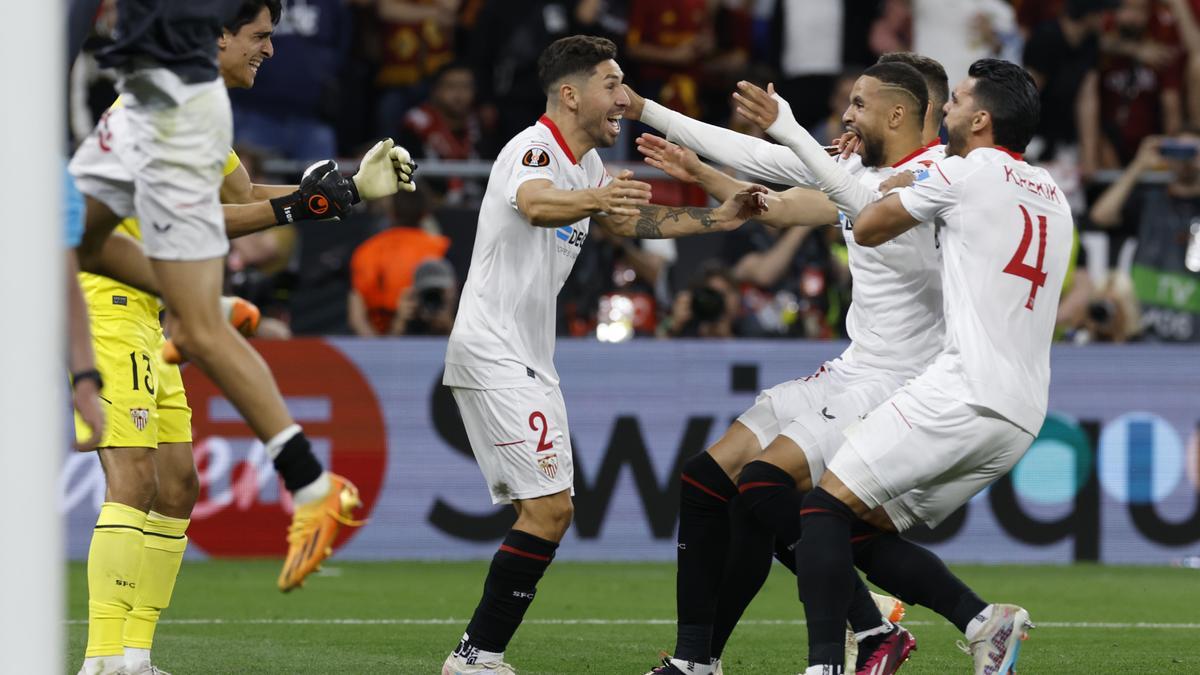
x=324 y=193
x=385 y=170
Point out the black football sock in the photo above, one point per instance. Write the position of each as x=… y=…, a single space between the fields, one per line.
x=766 y=511
x=297 y=464
x=704 y=496
x=916 y=575
x=826 y=574
x=508 y=590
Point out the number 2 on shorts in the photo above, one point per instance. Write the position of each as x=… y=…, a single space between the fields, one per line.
x=542 y=444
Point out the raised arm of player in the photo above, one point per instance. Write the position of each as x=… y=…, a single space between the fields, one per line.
x=791 y=208
x=773 y=114
x=547 y=206
x=751 y=156
x=668 y=222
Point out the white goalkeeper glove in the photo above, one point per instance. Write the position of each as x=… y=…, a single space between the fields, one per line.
x=385 y=170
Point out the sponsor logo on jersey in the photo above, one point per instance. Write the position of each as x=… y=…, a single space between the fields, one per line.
x=921 y=175
x=536 y=157
x=569 y=240
x=140 y=417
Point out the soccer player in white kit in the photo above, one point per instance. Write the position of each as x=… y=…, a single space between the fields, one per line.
x=545 y=187
x=1005 y=231
x=895 y=322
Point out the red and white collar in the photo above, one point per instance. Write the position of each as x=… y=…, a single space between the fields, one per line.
x=562 y=142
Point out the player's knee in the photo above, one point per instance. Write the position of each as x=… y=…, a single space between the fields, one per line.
x=560 y=516
x=178 y=494
x=197 y=337
x=736 y=447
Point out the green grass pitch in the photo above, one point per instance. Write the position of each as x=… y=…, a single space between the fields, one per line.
x=405 y=617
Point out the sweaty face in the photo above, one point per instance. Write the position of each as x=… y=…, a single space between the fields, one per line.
x=602 y=103
x=867 y=116
x=959 y=111
x=240 y=54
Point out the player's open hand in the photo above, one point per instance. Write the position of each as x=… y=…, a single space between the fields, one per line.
x=675 y=161
x=747 y=203
x=758 y=106
x=637 y=103
x=86 y=398
x=623 y=195
x=897 y=180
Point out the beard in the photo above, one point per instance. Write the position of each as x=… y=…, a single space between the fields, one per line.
x=872 y=151
x=956 y=142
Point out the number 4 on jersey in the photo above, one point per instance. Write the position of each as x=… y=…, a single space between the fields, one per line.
x=1018 y=267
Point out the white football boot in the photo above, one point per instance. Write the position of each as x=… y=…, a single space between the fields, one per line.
x=998 y=644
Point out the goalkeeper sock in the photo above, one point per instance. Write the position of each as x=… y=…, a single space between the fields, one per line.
x=704 y=498
x=292 y=455
x=162 y=554
x=114 y=561
x=508 y=590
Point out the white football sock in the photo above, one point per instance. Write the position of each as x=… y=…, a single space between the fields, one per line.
x=103 y=665
x=313 y=491
x=275 y=445
x=976 y=624
x=691 y=667
x=882 y=628
x=135 y=657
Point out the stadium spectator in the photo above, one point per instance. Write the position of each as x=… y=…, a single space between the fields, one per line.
x=1138 y=90
x=416 y=41
x=505 y=46
x=291 y=109
x=1061 y=54
x=1187 y=18
x=708 y=308
x=892 y=30
x=427 y=307
x=958 y=33
x=667 y=44
x=446 y=126
x=811 y=40
x=784 y=277
x=1164 y=219
x=382 y=267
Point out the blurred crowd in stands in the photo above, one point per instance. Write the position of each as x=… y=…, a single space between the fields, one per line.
x=453 y=80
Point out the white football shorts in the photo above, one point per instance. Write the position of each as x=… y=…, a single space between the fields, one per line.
x=814 y=411
x=923 y=452
x=520 y=439
x=159 y=154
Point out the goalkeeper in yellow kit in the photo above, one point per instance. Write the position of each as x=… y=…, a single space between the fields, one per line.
x=140 y=536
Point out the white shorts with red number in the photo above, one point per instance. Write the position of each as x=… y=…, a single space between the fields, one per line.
x=923 y=453
x=159 y=155
x=520 y=439
x=814 y=411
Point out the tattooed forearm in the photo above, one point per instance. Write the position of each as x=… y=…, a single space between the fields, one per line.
x=651 y=219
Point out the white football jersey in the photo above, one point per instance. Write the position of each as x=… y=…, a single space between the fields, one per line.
x=895 y=316
x=1005 y=230
x=504 y=332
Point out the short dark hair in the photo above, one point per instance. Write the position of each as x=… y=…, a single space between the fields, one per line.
x=248 y=11
x=905 y=77
x=572 y=55
x=1007 y=92
x=936 y=81
x=448 y=68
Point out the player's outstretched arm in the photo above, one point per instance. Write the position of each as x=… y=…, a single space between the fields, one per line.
x=790 y=208
x=773 y=114
x=250 y=207
x=547 y=206
x=882 y=221
x=751 y=156
x=668 y=222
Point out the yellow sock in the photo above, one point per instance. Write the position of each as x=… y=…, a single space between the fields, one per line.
x=162 y=553
x=113 y=562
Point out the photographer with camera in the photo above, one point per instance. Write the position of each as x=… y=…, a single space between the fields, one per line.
x=427 y=307
x=708 y=309
x=1166 y=222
